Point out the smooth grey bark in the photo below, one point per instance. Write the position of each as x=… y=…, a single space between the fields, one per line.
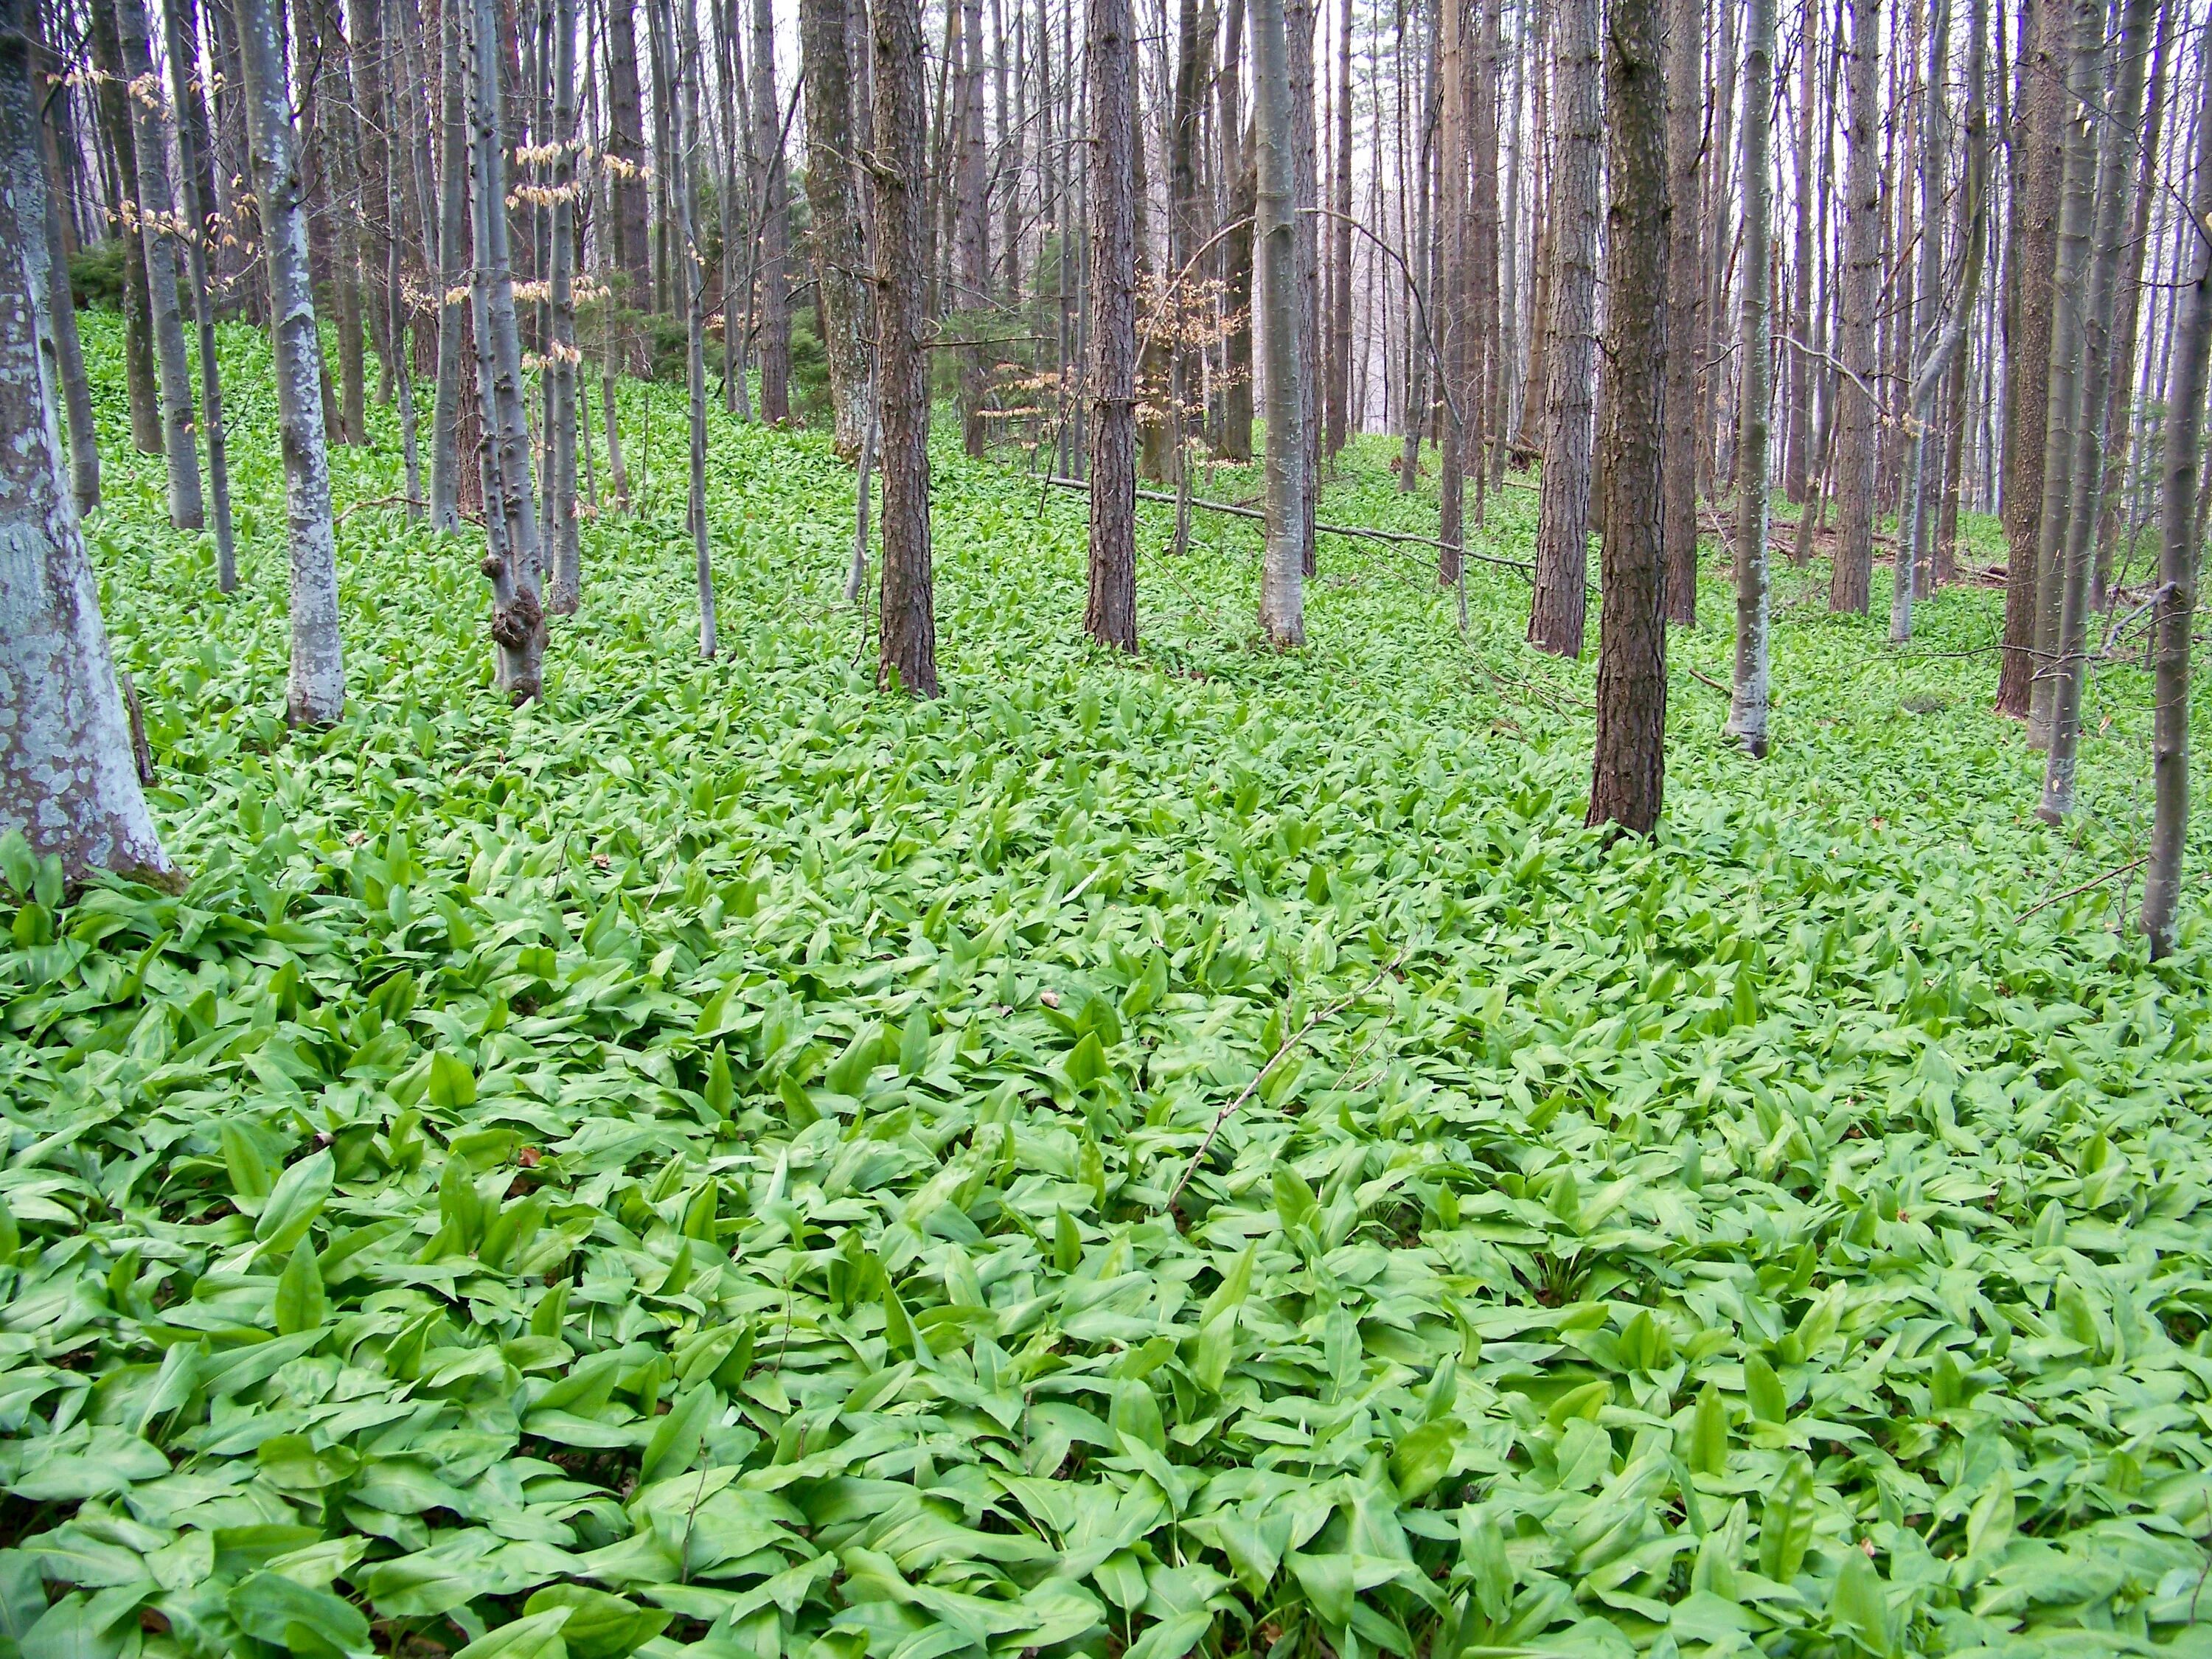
x=832 y=200
x=2076 y=215
x=1110 y=614
x=157 y=217
x=1283 y=333
x=1556 y=610
x=1686 y=31
x=2116 y=154
x=61 y=308
x=1973 y=228
x=1748 y=692
x=196 y=199
x=565 y=589
x=513 y=563
x=1912 y=521
x=906 y=630
x=68 y=783
x=452 y=268
x=315 y=693
x=1850 y=578
x=2178 y=541
x=113 y=103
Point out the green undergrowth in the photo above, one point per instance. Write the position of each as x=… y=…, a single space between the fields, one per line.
x=687 y=1168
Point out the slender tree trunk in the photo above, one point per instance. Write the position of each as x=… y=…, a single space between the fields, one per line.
x=1797 y=466
x=1556 y=612
x=1454 y=322
x=1748 y=701
x=1283 y=333
x=1535 y=388
x=339 y=172
x=156 y=214
x=773 y=188
x=1973 y=196
x=115 y=105
x=2116 y=144
x=1919 y=402
x=452 y=277
x=561 y=356
x=1299 y=20
x=1110 y=614
x=1339 y=250
x=2180 y=538
x=61 y=309
x=832 y=200
x=68 y=783
x=2039 y=174
x=1485 y=415
x=1238 y=299
x=514 y=561
x=195 y=196
x=908 y=656
x=1630 y=764
x=316 y=693
x=1685 y=295
x=627 y=180
x=2076 y=230
x=1851 y=578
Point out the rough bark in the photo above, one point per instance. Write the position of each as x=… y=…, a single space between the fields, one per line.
x=908 y=654
x=454 y=251
x=2116 y=142
x=1797 y=466
x=1556 y=611
x=68 y=783
x=832 y=200
x=1109 y=615
x=1973 y=195
x=157 y=215
x=1919 y=403
x=1453 y=322
x=627 y=177
x=1747 y=699
x=1337 y=412
x=1237 y=299
x=1628 y=770
x=691 y=279
x=564 y=592
x=1686 y=31
x=113 y=105
x=1299 y=20
x=61 y=309
x=2178 y=541
x=1283 y=332
x=1850 y=579
x=202 y=226
x=772 y=189
x=315 y=693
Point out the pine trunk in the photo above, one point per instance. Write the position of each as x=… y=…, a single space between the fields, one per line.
x=832 y=200
x=1110 y=614
x=1685 y=132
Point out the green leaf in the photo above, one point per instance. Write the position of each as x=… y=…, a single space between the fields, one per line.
x=292 y=1206
x=677 y=1435
x=599 y=1625
x=1763 y=1391
x=452 y=1084
x=1422 y=1458
x=534 y=1635
x=298 y=1616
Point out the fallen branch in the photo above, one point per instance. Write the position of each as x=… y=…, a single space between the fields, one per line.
x=1707 y=679
x=2074 y=892
x=1274 y=1060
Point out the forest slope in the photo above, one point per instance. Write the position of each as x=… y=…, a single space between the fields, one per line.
x=708 y=1140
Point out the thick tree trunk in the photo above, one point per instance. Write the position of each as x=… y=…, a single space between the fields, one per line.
x=315 y=695
x=1281 y=305
x=1110 y=616
x=195 y=196
x=453 y=253
x=68 y=783
x=907 y=655
x=2117 y=144
x=1556 y=611
x=61 y=309
x=1686 y=31
x=2179 y=540
x=833 y=200
x=627 y=179
x=565 y=591
x=773 y=187
x=157 y=212
x=2077 y=215
x=1630 y=764
x=1851 y=578
x=1747 y=700
x=514 y=559
x=2039 y=172
x=113 y=103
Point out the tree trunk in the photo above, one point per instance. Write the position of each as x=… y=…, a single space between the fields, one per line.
x=338 y=171
x=2117 y=144
x=971 y=219
x=1851 y=578
x=68 y=783
x=1973 y=196
x=1797 y=464
x=2178 y=541
x=691 y=277
x=61 y=309
x=1454 y=322
x=908 y=654
x=1629 y=768
x=2077 y=215
x=513 y=563
x=1686 y=33
x=1555 y=612
x=1486 y=379
x=1110 y=614
x=196 y=194
x=1339 y=250
x=1238 y=258
x=453 y=255
x=1298 y=17
x=1748 y=701
x=1919 y=403
x=627 y=180
x=114 y=105
x=156 y=213
x=1283 y=332
x=315 y=695
x=834 y=204
x=773 y=186
x=561 y=352
x=2037 y=177
x=1535 y=384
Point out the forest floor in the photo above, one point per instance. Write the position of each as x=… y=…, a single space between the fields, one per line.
x=687 y=1167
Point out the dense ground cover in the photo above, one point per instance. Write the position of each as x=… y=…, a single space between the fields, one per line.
x=687 y=1168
